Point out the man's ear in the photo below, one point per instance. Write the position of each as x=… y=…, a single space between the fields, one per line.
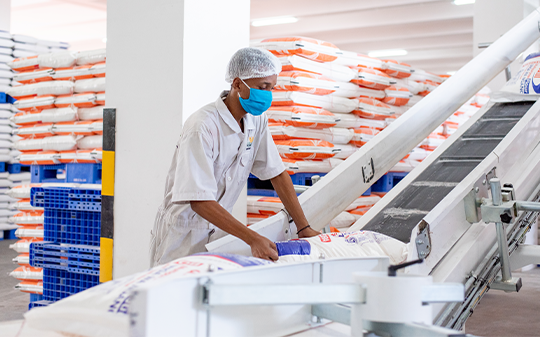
x=236 y=84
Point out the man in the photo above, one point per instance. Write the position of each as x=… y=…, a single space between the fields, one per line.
x=219 y=146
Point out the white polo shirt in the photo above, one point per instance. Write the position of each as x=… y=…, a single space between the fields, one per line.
x=213 y=160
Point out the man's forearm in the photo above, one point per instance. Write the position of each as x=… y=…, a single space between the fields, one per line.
x=285 y=189
x=214 y=213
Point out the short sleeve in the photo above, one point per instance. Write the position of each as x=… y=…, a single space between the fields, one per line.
x=194 y=176
x=267 y=163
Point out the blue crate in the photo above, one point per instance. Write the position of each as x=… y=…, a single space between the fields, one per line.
x=3 y=97
x=36 y=297
x=37 y=304
x=17 y=168
x=72 y=227
x=80 y=199
x=79 y=259
x=3 y=167
x=74 y=173
x=59 y=284
x=388 y=181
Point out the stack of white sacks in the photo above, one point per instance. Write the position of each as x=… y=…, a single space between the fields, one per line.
x=14 y=46
x=61 y=103
x=328 y=103
x=29 y=221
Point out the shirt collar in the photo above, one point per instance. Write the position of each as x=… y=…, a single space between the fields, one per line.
x=228 y=118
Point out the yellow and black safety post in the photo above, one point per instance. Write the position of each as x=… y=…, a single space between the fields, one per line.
x=107 y=195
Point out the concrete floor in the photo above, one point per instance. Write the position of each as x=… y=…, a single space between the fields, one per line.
x=13 y=303
x=498 y=314
x=509 y=314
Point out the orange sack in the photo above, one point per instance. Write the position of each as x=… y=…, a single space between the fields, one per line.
x=312 y=49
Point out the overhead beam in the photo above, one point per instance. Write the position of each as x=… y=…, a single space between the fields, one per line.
x=446 y=41
x=394 y=32
x=445 y=62
x=265 y=8
x=439 y=53
x=307 y=26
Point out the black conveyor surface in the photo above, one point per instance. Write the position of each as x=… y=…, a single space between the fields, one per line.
x=408 y=208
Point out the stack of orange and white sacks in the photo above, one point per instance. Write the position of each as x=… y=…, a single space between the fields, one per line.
x=420 y=84
x=61 y=101
x=328 y=102
x=30 y=229
x=260 y=208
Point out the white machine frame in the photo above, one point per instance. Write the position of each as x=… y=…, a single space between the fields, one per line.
x=280 y=300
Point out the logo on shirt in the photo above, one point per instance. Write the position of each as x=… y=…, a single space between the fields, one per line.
x=249 y=142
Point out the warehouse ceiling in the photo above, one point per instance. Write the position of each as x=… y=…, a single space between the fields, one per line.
x=436 y=34
x=82 y=23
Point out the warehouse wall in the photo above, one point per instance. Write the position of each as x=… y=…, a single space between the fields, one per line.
x=5 y=15
x=154 y=92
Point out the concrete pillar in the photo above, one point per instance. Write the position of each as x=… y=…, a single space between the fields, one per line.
x=5 y=15
x=493 y=18
x=165 y=60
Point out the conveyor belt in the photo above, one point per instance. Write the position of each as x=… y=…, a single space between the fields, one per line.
x=409 y=207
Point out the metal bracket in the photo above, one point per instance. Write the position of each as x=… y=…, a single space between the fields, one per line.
x=368 y=171
x=423 y=240
x=512 y=285
x=508 y=193
x=505 y=212
x=471 y=206
x=491 y=174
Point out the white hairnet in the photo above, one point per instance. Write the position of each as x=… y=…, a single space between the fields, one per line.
x=252 y=63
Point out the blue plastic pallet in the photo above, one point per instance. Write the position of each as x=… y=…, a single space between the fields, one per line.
x=263 y=192
x=73 y=258
x=5 y=98
x=256 y=186
x=297 y=179
x=59 y=284
x=37 y=304
x=17 y=168
x=35 y=297
x=72 y=227
x=79 y=199
x=10 y=235
x=388 y=181
x=73 y=173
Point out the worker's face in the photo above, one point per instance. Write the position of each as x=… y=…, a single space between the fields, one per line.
x=263 y=83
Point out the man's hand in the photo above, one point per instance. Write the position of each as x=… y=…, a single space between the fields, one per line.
x=263 y=248
x=308 y=232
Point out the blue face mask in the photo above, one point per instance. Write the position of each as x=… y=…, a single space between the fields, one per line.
x=258 y=102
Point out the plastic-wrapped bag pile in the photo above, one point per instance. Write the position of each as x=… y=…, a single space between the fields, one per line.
x=29 y=222
x=103 y=310
x=61 y=102
x=14 y=46
x=328 y=103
